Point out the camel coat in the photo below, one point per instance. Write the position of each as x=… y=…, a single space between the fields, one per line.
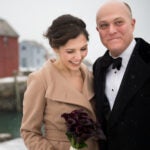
x=48 y=95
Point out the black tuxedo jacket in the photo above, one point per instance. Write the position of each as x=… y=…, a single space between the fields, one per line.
x=127 y=126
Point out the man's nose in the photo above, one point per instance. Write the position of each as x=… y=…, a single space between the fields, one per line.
x=112 y=29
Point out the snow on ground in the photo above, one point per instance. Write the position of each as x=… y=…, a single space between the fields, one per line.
x=15 y=144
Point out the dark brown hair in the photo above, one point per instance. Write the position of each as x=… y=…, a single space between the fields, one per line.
x=64 y=28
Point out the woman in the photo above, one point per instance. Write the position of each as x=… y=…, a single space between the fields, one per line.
x=58 y=87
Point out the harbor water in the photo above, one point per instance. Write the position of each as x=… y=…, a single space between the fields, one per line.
x=10 y=123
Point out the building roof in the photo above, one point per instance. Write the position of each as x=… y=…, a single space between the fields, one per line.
x=6 y=29
x=33 y=43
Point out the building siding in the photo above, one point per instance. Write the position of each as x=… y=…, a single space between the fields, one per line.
x=9 y=60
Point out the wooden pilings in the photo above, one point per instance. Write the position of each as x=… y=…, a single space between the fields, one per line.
x=17 y=93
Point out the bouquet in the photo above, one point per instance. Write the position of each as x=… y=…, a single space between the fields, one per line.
x=80 y=127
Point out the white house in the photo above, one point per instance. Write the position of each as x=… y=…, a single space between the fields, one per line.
x=32 y=55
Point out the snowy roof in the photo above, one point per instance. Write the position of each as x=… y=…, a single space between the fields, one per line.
x=33 y=43
x=11 y=79
x=6 y=29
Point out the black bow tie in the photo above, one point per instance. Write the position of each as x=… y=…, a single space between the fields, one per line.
x=107 y=60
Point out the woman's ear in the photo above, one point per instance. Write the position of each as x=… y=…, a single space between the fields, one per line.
x=52 y=60
x=56 y=50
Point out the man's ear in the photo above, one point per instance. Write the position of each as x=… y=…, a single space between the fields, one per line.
x=96 y=28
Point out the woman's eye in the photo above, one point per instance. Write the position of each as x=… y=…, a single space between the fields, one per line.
x=84 y=49
x=69 y=52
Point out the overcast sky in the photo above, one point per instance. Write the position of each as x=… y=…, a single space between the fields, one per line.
x=31 y=18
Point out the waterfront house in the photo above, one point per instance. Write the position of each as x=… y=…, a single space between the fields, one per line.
x=9 y=49
x=32 y=55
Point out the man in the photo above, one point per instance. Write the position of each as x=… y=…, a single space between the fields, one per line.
x=122 y=90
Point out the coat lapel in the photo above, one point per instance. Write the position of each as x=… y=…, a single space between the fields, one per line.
x=136 y=74
x=60 y=90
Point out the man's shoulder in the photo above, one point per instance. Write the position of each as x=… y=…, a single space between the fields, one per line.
x=142 y=42
x=98 y=60
x=143 y=48
x=97 y=65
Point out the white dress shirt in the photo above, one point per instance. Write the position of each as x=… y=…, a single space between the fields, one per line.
x=114 y=76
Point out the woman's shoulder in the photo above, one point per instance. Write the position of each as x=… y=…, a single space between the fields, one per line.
x=43 y=74
x=85 y=68
x=86 y=71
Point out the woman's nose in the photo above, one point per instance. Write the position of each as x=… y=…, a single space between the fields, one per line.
x=78 y=55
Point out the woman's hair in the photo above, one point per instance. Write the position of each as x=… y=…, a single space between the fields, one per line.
x=64 y=28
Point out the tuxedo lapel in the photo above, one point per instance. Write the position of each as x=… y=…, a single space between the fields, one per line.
x=136 y=74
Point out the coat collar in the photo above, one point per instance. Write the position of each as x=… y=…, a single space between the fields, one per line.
x=138 y=71
x=60 y=90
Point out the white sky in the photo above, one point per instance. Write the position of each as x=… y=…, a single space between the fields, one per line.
x=31 y=18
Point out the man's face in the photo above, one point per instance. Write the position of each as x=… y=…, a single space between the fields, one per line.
x=115 y=26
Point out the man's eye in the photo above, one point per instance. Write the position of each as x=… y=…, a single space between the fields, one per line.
x=119 y=23
x=103 y=26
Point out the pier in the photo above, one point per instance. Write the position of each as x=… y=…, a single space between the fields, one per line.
x=11 y=93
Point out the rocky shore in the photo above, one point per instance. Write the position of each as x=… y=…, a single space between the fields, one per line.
x=5 y=137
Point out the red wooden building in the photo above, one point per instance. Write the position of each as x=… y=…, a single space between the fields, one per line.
x=9 y=50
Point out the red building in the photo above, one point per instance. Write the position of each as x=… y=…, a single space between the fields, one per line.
x=9 y=50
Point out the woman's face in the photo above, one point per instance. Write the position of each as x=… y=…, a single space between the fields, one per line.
x=73 y=52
